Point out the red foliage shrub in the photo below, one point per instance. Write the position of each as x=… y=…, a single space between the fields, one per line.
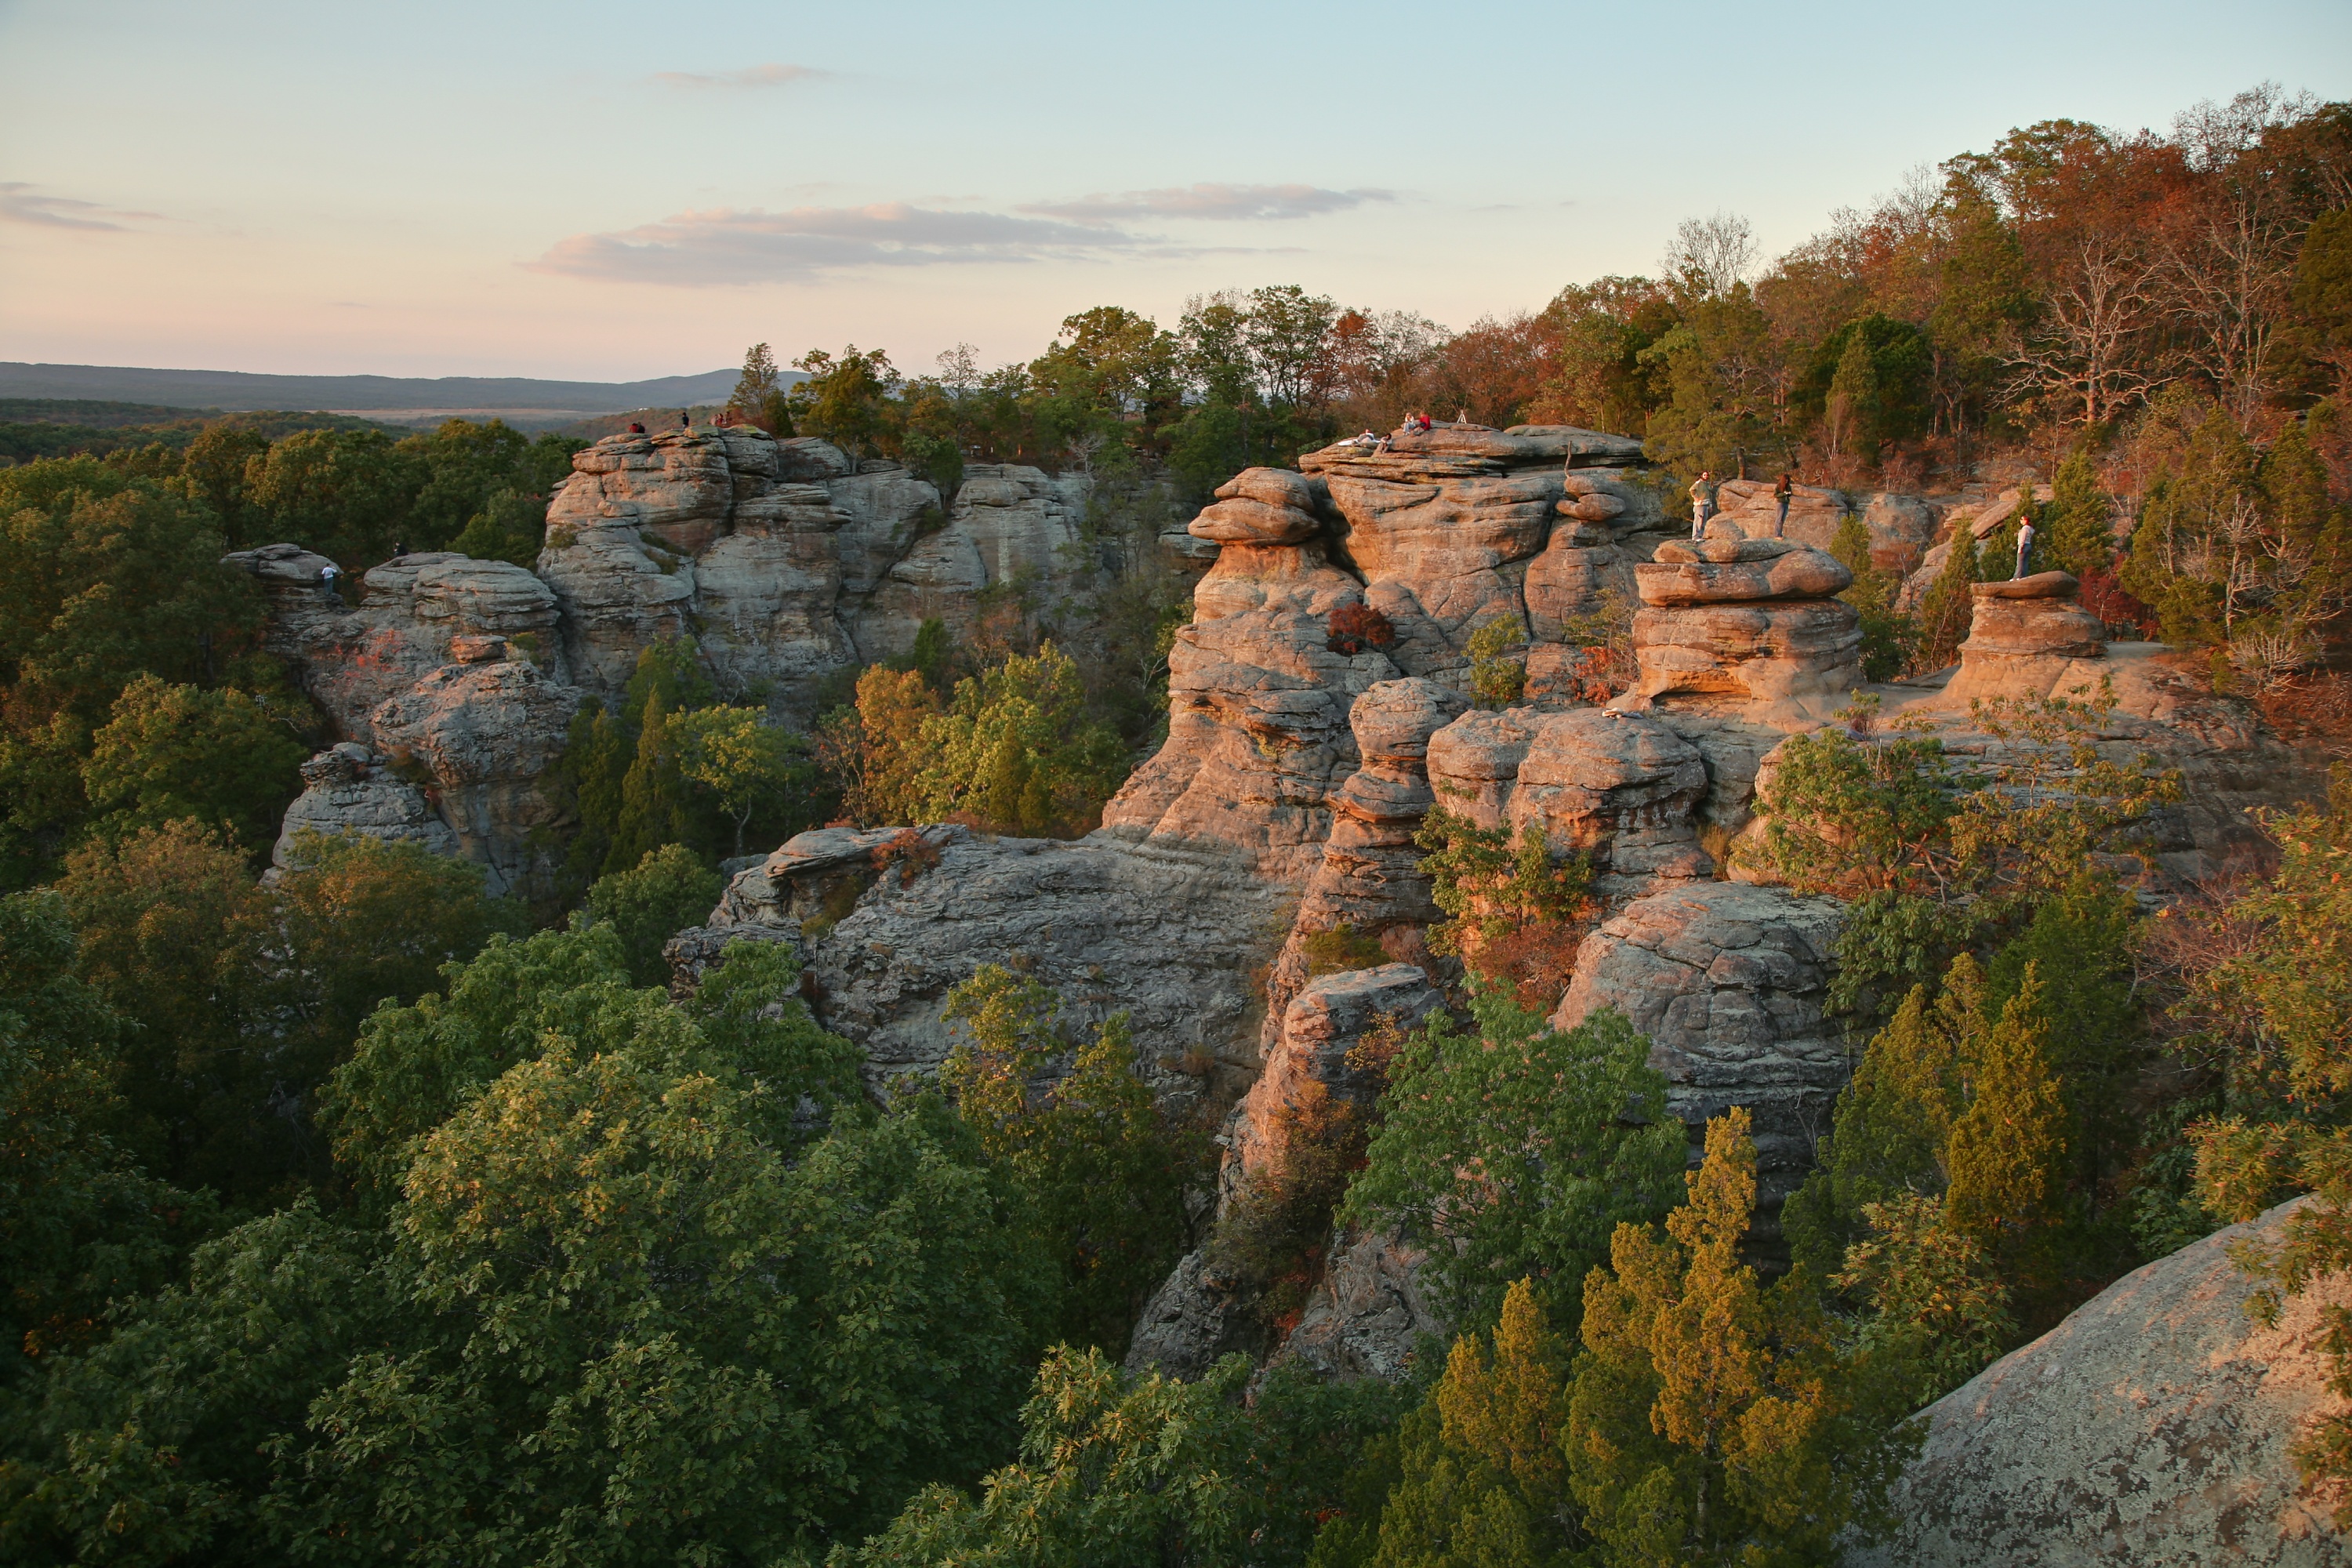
x=1355 y=627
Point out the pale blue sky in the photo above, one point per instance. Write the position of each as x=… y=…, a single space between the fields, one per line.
x=615 y=191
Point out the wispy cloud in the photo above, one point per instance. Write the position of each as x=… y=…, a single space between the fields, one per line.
x=727 y=245
x=775 y=74
x=1210 y=200
x=22 y=203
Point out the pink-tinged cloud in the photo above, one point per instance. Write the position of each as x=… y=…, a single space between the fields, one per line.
x=697 y=249
x=22 y=202
x=1222 y=203
x=775 y=74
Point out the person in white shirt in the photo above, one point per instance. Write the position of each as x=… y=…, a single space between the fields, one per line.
x=2025 y=547
x=1702 y=494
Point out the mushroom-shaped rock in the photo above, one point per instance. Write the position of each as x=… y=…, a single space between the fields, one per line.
x=1245 y=520
x=1738 y=571
x=2040 y=585
x=2154 y=1424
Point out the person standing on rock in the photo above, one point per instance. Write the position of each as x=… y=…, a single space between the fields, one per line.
x=1702 y=493
x=1780 y=497
x=2024 y=546
x=327 y=575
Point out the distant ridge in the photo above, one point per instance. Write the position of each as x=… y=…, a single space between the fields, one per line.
x=232 y=390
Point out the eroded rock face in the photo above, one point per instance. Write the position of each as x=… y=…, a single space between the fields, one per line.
x=1369 y=1314
x=1618 y=786
x=1901 y=527
x=1164 y=934
x=410 y=612
x=1258 y=704
x=346 y=790
x=485 y=734
x=2152 y=1426
x=1746 y=621
x=1727 y=981
x=784 y=558
x=1370 y=877
x=1322 y=1023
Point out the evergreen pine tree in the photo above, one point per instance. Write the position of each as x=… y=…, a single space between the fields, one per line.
x=1853 y=399
x=1948 y=606
x=1483 y=1479
x=653 y=796
x=2006 y=1154
x=2076 y=534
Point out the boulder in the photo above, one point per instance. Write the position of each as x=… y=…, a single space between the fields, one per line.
x=411 y=615
x=1242 y=520
x=1727 y=982
x=1626 y=503
x=1441 y=559
x=346 y=790
x=2153 y=1425
x=1618 y=786
x=2040 y=585
x=1370 y=878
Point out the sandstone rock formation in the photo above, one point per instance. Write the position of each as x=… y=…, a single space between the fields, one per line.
x=1901 y=527
x=1319 y=1027
x=2025 y=637
x=484 y=734
x=785 y=558
x=347 y=790
x=2152 y=1426
x=1751 y=621
x=1727 y=982
x=1981 y=519
x=1367 y=1316
x=1166 y=933
x=349 y=658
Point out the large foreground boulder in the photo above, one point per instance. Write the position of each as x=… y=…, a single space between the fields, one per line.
x=2152 y=1427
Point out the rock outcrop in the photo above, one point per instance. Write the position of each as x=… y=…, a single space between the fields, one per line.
x=788 y=560
x=2152 y=1426
x=346 y=789
x=1901 y=527
x=1322 y=1025
x=1751 y=621
x=1727 y=981
x=350 y=657
x=484 y=734
x=2026 y=637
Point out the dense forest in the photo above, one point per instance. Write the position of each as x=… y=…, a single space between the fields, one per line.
x=351 y=1213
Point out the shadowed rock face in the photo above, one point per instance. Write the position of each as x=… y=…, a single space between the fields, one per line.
x=1727 y=981
x=346 y=790
x=2153 y=1425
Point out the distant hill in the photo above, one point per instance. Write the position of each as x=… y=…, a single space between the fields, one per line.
x=402 y=398
x=33 y=427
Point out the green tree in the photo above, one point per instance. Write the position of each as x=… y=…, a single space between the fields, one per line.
x=1851 y=412
x=346 y=494
x=219 y=757
x=660 y=895
x=213 y=468
x=488 y=483
x=846 y=400
x=81 y=1223
x=756 y=384
x=746 y=764
x=1886 y=632
x=2292 y=981
x=1712 y=1419
x=1103 y=1174
x=652 y=794
x=511 y=526
x=167 y=922
x=1015 y=749
x=1512 y=1153
x=2077 y=536
x=1148 y=1474
x=1483 y=1470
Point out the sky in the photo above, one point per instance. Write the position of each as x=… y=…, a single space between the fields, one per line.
x=612 y=192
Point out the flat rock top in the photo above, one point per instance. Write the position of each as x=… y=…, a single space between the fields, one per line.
x=1720 y=552
x=2040 y=585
